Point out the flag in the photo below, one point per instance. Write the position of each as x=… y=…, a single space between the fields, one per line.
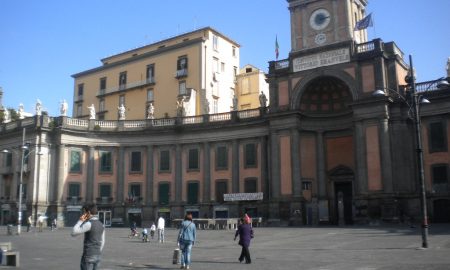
x=276 y=47
x=364 y=23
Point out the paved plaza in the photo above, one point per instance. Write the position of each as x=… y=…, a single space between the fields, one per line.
x=324 y=248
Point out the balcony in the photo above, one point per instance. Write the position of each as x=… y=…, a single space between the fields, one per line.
x=124 y=87
x=73 y=200
x=104 y=200
x=181 y=73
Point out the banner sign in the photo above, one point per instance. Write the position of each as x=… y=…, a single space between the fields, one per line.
x=327 y=58
x=232 y=197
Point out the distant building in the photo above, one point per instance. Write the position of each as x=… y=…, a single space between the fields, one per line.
x=197 y=68
x=250 y=82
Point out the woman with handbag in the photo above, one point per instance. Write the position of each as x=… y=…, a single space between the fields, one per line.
x=186 y=239
x=245 y=233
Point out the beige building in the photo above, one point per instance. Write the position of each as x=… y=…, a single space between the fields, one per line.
x=190 y=74
x=250 y=85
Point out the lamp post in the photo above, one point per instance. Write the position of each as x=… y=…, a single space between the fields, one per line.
x=23 y=148
x=415 y=99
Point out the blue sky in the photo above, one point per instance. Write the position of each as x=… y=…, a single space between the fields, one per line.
x=42 y=43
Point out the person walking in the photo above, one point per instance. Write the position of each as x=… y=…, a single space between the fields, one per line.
x=152 y=230
x=29 y=223
x=186 y=240
x=245 y=233
x=94 y=237
x=160 y=227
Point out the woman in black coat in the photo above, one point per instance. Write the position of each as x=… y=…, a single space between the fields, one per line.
x=245 y=233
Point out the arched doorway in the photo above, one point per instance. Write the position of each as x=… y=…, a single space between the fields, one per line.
x=441 y=210
x=341 y=186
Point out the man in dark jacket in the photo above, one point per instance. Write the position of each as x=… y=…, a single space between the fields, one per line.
x=245 y=233
x=94 y=237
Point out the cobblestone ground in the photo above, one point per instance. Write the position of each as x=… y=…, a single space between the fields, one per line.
x=324 y=248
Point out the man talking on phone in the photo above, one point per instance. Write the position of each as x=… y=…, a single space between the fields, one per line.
x=94 y=237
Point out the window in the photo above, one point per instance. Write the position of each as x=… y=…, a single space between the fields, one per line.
x=164 y=195
x=222 y=67
x=150 y=96
x=136 y=161
x=134 y=192
x=74 y=190
x=9 y=157
x=192 y=193
x=215 y=66
x=221 y=157
x=233 y=51
x=102 y=85
x=75 y=161
x=437 y=137
x=245 y=86
x=104 y=190
x=80 y=90
x=439 y=174
x=101 y=105
x=215 y=105
x=250 y=155
x=182 y=88
x=122 y=100
x=164 y=160
x=250 y=185
x=26 y=156
x=193 y=159
x=306 y=185
x=235 y=71
x=122 y=79
x=182 y=63
x=105 y=162
x=150 y=73
x=79 y=110
x=221 y=188
x=215 y=43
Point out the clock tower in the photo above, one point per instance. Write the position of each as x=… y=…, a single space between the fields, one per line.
x=317 y=23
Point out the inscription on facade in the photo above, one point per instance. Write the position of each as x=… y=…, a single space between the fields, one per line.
x=321 y=59
x=242 y=197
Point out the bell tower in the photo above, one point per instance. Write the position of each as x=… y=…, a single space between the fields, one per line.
x=316 y=23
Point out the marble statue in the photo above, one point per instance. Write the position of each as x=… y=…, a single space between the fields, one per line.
x=63 y=108
x=262 y=100
x=20 y=111
x=38 y=107
x=121 y=109
x=91 y=112
x=150 y=111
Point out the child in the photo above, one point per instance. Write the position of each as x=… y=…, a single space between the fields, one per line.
x=152 y=230
x=144 y=235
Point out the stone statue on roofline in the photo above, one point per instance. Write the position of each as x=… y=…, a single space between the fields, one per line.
x=121 y=109
x=20 y=111
x=38 y=107
x=262 y=100
x=150 y=111
x=91 y=112
x=63 y=108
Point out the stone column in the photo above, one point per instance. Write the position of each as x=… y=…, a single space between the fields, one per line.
x=296 y=170
x=178 y=174
x=275 y=165
x=149 y=178
x=321 y=177
x=264 y=169
x=206 y=172
x=121 y=175
x=361 y=164
x=60 y=174
x=235 y=167
x=385 y=155
x=90 y=175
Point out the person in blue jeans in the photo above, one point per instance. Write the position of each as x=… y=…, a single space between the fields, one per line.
x=186 y=239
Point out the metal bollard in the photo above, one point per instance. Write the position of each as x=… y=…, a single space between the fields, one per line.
x=176 y=256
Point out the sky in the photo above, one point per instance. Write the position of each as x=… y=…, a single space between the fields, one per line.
x=43 y=43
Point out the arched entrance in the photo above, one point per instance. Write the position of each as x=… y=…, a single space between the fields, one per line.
x=441 y=210
x=341 y=186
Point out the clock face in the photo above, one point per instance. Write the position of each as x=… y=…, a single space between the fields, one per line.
x=319 y=19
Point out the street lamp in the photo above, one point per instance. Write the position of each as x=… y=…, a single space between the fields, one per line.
x=23 y=148
x=415 y=100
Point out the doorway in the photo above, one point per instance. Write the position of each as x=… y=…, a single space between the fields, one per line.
x=345 y=190
x=105 y=217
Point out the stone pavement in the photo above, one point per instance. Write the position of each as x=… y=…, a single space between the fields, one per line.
x=306 y=248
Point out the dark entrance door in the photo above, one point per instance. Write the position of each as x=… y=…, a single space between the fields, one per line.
x=347 y=192
x=441 y=211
